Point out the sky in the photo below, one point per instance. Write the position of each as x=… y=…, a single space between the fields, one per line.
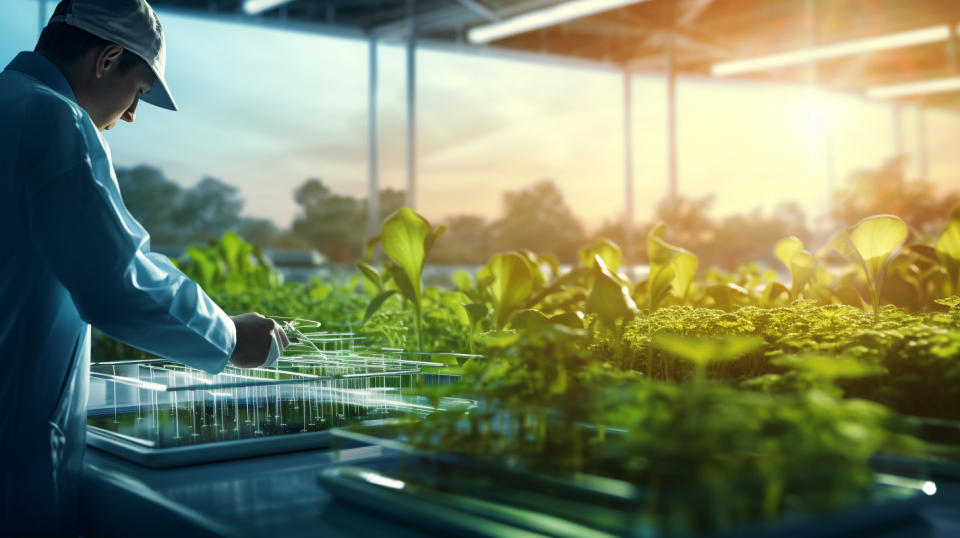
x=265 y=109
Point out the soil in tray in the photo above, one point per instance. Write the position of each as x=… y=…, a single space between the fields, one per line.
x=225 y=418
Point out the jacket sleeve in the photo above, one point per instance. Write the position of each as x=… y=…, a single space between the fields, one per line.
x=78 y=223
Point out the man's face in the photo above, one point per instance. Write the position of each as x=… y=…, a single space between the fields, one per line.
x=114 y=95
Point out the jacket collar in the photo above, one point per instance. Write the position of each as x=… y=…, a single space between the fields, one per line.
x=42 y=69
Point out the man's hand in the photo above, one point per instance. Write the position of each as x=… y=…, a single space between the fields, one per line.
x=254 y=334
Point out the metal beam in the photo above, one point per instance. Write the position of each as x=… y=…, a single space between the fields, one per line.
x=451 y=15
x=373 y=163
x=628 y=166
x=480 y=9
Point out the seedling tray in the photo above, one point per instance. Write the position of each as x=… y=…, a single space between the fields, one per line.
x=942 y=451
x=450 y=495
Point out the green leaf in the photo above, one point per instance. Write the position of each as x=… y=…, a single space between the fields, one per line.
x=704 y=351
x=529 y=319
x=608 y=298
x=773 y=291
x=573 y=319
x=948 y=248
x=671 y=267
x=403 y=284
x=462 y=280
x=371 y=274
x=498 y=339
x=607 y=250
x=684 y=270
x=376 y=303
x=477 y=312
x=371 y=244
x=786 y=248
x=831 y=368
x=513 y=283
x=840 y=241
x=404 y=236
x=875 y=239
x=800 y=263
x=801 y=269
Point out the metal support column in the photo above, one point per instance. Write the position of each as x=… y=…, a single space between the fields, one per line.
x=42 y=15
x=672 y=123
x=373 y=163
x=898 y=129
x=411 y=117
x=628 y=166
x=922 y=152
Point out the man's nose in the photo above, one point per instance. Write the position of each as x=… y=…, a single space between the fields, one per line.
x=131 y=113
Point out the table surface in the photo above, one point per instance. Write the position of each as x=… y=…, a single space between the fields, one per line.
x=279 y=495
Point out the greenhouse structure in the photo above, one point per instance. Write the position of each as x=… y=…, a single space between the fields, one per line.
x=814 y=392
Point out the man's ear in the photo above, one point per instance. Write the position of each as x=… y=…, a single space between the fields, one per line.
x=107 y=59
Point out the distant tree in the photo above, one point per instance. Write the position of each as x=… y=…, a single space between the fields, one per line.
x=336 y=224
x=331 y=223
x=152 y=199
x=886 y=190
x=614 y=231
x=538 y=218
x=208 y=210
x=733 y=240
x=390 y=201
x=260 y=232
x=468 y=241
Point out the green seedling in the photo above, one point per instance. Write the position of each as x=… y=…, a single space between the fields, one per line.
x=671 y=268
x=948 y=251
x=407 y=239
x=872 y=242
x=606 y=250
x=798 y=261
x=513 y=283
x=609 y=299
x=705 y=351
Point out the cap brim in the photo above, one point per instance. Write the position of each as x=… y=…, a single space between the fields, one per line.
x=159 y=95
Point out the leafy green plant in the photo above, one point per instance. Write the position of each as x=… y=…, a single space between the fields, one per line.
x=407 y=239
x=798 y=261
x=872 y=242
x=609 y=298
x=671 y=268
x=513 y=283
x=948 y=251
x=705 y=351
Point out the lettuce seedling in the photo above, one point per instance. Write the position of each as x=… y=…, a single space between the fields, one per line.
x=671 y=268
x=407 y=239
x=948 y=251
x=872 y=242
x=607 y=250
x=609 y=299
x=513 y=283
x=798 y=261
x=705 y=351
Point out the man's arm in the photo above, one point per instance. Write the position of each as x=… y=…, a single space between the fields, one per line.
x=79 y=225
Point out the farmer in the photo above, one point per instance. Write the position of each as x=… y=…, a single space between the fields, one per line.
x=71 y=255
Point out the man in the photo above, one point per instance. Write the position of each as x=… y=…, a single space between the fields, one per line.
x=71 y=254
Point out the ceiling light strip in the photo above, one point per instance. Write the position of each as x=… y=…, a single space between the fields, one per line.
x=923 y=87
x=921 y=36
x=256 y=7
x=543 y=18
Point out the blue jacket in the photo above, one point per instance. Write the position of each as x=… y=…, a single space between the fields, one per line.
x=71 y=255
